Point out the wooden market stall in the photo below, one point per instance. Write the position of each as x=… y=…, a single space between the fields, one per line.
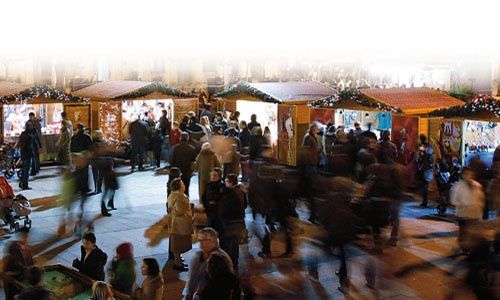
x=116 y=103
x=470 y=130
x=47 y=104
x=281 y=106
x=413 y=105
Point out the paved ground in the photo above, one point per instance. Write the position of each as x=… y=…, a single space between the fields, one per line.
x=421 y=267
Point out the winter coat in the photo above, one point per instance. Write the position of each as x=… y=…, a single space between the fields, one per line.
x=26 y=143
x=211 y=198
x=221 y=288
x=93 y=266
x=244 y=137
x=139 y=131
x=180 y=209
x=151 y=288
x=206 y=161
x=468 y=200
x=80 y=142
x=183 y=157
x=123 y=275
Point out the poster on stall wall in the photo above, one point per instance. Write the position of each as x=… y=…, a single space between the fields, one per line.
x=78 y=114
x=287 y=134
x=404 y=134
x=110 y=120
x=451 y=137
x=183 y=107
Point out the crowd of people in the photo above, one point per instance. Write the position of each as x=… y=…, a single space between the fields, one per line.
x=353 y=181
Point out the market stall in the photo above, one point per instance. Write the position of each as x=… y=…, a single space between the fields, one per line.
x=47 y=104
x=66 y=283
x=280 y=106
x=472 y=130
x=116 y=103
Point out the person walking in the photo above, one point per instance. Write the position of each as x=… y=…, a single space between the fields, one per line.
x=26 y=144
x=139 y=131
x=181 y=226
x=232 y=217
x=183 y=157
x=309 y=159
x=468 y=198
x=206 y=161
x=64 y=143
x=110 y=186
x=81 y=143
x=222 y=283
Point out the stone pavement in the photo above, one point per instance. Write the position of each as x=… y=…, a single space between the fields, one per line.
x=422 y=266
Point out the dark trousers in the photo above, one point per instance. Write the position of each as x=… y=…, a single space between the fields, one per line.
x=425 y=192
x=231 y=244
x=98 y=176
x=35 y=162
x=25 y=172
x=108 y=193
x=137 y=156
x=307 y=174
x=395 y=208
x=343 y=266
x=157 y=154
x=186 y=179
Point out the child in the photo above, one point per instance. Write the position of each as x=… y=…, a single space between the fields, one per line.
x=172 y=174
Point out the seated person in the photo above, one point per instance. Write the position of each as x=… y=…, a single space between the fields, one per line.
x=92 y=260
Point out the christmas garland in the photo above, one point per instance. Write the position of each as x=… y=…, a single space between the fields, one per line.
x=480 y=103
x=242 y=87
x=41 y=91
x=156 y=87
x=352 y=94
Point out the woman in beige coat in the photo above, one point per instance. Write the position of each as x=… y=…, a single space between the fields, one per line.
x=152 y=286
x=181 y=226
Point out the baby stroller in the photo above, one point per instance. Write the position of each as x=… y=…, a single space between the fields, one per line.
x=445 y=178
x=13 y=209
x=11 y=162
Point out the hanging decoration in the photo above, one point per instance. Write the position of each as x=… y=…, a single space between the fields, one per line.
x=243 y=87
x=478 y=104
x=355 y=95
x=44 y=91
x=159 y=87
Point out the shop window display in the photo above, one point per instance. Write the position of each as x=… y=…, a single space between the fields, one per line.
x=15 y=117
x=133 y=108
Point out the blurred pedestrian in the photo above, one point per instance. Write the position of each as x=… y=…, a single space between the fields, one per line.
x=64 y=143
x=222 y=283
x=81 y=142
x=35 y=290
x=468 y=198
x=14 y=268
x=309 y=159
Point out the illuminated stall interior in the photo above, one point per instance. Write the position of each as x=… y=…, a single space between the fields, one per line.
x=116 y=103
x=281 y=106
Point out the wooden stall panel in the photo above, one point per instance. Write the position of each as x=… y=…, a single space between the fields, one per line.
x=110 y=120
x=287 y=134
x=183 y=106
x=78 y=114
x=322 y=115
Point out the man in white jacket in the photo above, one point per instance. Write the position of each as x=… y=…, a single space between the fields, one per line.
x=468 y=198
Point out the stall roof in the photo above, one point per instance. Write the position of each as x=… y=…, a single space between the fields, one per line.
x=111 y=89
x=412 y=100
x=127 y=89
x=279 y=92
x=11 y=88
x=481 y=106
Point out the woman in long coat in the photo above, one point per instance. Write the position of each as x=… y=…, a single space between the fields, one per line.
x=181 y=226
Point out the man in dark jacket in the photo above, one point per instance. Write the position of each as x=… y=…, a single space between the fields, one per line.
x=244 y=135
x=232 y=216
x=81 y=142
x=35 y=163
x=211 y=198
x=26 y=144
x=253 y=122
x=183 y=157
x=309 y=159
x=165 y=124
x=138 y=131
x=92 y=260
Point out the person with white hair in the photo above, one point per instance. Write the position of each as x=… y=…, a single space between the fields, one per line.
x=206 y=161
